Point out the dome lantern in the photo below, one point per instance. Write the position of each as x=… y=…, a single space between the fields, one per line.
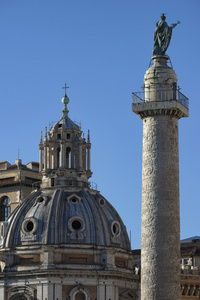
x=65 y=153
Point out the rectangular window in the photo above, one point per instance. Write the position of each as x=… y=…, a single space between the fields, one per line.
x=186 y=261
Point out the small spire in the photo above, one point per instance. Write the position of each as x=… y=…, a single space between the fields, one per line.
x=41 y=138
x=65 y=101
x=45 y=133
x=88 y=137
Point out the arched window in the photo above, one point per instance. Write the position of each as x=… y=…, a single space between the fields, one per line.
x=20 y=293
x=79 y=293
x=5 y=208
x=80 y=296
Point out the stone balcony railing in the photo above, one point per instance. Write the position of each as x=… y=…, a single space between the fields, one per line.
x=154 y=95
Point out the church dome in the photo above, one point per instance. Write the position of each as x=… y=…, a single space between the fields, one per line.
x=65 y=240
x=49 y=217
x=65 y=210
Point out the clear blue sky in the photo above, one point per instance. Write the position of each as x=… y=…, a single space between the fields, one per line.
x=102 y=49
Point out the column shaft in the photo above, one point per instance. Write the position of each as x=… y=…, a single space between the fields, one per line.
x=62 y=155
x=41 y=160
x=45 y=157
x=88 y=158
x=160 y=246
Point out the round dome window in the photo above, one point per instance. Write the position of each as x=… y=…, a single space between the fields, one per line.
x=76 y=224
x=29 y=226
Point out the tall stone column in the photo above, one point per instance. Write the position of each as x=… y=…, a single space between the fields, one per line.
x=160 y=245
x=160 y=111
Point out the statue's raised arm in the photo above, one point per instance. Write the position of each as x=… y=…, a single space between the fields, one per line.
x=162 y=36
x=174 y=25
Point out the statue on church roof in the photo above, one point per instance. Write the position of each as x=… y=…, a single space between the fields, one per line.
x=162 y=36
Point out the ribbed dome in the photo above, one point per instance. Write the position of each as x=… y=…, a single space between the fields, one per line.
x=66 y=123
x=62 y=217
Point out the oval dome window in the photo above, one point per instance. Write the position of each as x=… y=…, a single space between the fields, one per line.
x=116 y=229
x=29 y=226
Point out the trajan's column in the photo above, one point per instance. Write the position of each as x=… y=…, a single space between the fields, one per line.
x=160 y=108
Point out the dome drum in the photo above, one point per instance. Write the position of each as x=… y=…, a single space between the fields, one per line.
x=61 y=178
x=68 y=258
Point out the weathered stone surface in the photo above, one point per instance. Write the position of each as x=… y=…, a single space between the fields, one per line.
x=160 y=209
